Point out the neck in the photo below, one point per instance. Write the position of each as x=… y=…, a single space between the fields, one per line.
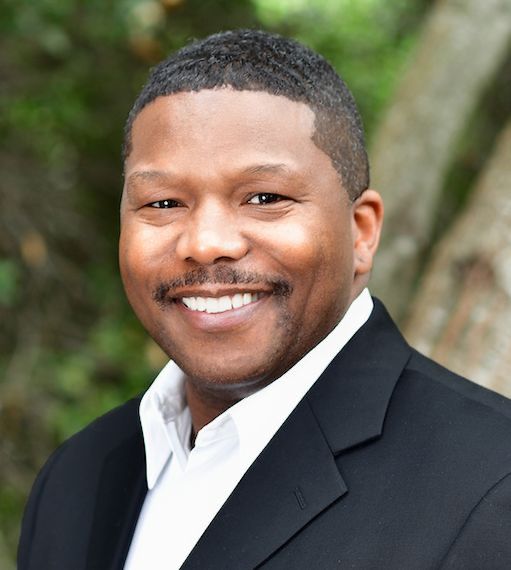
x=204 y=408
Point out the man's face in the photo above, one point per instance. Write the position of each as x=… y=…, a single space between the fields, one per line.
x=239 y=248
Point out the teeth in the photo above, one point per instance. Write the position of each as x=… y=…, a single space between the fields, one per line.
x=212 y=305
x=219 y=304
x=224 y=303
x=237 y=300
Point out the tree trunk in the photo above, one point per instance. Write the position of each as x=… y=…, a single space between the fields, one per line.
x=461 y=315
x=463 y=44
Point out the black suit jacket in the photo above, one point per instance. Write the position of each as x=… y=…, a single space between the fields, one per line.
x=389 y=462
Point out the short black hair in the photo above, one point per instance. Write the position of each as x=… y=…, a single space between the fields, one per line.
x=256 y=60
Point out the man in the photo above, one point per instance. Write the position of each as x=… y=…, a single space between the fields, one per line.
x=294 y=427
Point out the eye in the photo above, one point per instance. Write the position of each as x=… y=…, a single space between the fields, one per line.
x=265 y=198
x=164 y=204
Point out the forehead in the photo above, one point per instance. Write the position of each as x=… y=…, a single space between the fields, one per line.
x=215 y=123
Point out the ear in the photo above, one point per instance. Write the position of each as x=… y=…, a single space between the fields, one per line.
x=367 y=219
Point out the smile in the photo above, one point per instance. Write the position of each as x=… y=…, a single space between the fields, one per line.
x=220 y=304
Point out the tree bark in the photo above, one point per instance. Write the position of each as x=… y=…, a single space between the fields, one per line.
x=461 y=315
x=463 y=44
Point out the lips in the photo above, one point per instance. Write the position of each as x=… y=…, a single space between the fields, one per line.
x=218 y=290
x=220 y=304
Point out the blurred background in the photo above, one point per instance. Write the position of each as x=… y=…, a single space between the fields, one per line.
x=433 y=82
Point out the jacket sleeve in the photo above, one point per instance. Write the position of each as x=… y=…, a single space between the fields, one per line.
x=29 y=522
x=484 y=541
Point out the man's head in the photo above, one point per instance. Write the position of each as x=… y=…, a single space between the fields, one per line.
x=253 y=60
x=241 y=247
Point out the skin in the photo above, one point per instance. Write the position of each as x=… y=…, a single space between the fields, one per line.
x=248 y=203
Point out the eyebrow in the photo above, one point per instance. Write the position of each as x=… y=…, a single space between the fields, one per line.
x=153 y=175
x=145 y=176
x=148 y=175
x=266 y=169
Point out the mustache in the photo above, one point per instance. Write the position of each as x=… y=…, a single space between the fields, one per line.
x=221 y=275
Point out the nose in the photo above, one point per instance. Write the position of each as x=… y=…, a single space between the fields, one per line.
x=211 y=233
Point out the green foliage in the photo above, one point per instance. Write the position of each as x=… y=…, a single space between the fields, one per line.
x=8 y=281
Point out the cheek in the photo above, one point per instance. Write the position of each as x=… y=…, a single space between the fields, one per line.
x=295 y=244
x=315 y=246
x=141 y=255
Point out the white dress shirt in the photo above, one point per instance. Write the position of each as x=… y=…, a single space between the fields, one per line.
x=187 y=487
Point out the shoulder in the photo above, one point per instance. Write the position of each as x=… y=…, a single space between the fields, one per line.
x=468 y=427
x=74 y=468
x=101 y=435
x=63 y=498
x=118 y=423
x=85 y=452
x=430 y=390
x=445 y=383
x=467 y=423
x=91 y=444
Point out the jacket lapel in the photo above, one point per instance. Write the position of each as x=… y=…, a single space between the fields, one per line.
x=121 y=491
x=351 y=398
x=296 y=476
x=277 y=496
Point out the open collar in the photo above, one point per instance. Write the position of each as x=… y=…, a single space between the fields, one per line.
x=296 y=476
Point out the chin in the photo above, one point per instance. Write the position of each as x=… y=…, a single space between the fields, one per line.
x=235 y=382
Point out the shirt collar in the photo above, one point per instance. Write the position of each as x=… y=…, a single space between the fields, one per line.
x=164 y=405
x=164 y=402
x=276 y=401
